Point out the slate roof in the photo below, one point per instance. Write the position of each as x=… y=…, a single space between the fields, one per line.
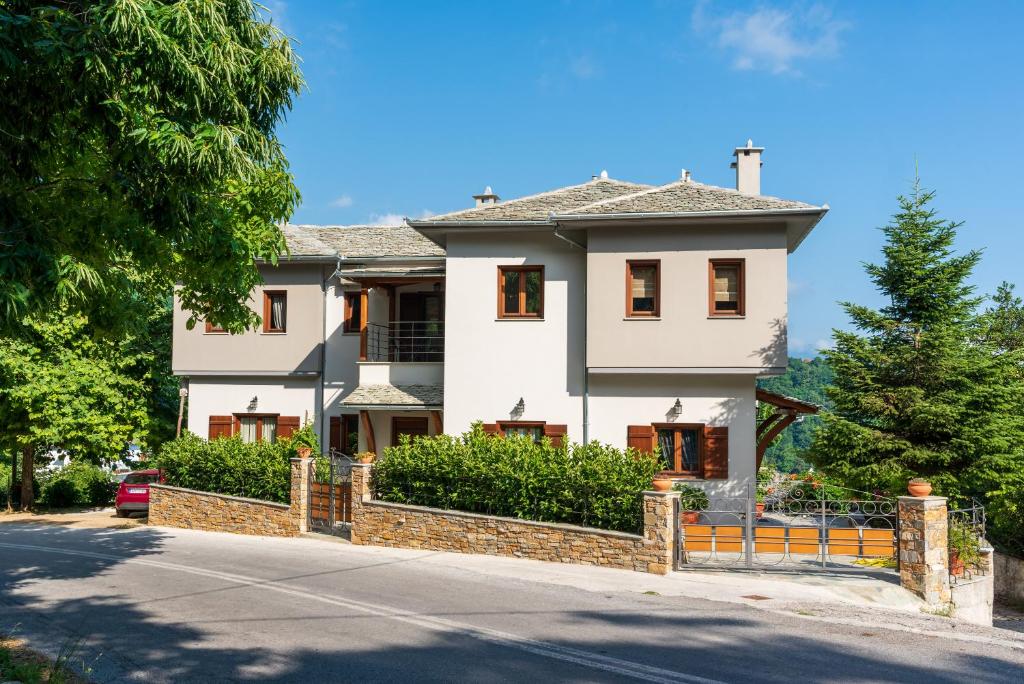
x=358 y=241
x=538 y=207
x=685 y=196
x=396 y=395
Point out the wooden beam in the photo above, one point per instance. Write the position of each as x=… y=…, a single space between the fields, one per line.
x=767 y=423
x=762 y=444
x=438 y=422
x=371 y=442
x=364 y=304
x=782 y=402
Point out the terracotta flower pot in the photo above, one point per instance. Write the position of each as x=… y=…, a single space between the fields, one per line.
x=304 y=451
x=365 y=457
x=760 y=508
x=956 y=566
x=661 y=484
x=919 y=488
x=689 y=517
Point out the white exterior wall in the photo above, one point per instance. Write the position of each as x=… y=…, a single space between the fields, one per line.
x=617 y=401
x=341 y=374
x=381 y=421
x=491 y=363
x=222 y=396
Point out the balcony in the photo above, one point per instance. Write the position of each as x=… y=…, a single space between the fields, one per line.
x=403 y=342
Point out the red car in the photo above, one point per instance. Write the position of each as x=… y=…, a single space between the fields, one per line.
x=133 y=494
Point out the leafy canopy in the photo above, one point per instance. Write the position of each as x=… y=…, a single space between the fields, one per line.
x=137 y=137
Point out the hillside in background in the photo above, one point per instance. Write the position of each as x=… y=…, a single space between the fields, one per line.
x=805 y=379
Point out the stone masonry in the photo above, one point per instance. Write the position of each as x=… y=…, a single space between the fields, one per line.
x=382 y=523
x=924 y=556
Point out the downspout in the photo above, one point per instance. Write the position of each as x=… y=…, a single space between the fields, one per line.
x=323 y=349
x=586 y=374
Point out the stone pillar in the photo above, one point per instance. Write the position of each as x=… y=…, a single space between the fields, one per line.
x=924 y=552
x=361 y=474
x=302 y=474
x=660 y=530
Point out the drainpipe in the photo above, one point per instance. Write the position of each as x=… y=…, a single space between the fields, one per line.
x=323 y=349
x=586 y=374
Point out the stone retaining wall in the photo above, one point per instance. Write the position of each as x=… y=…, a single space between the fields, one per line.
x=1009 y=578
x=382 y=523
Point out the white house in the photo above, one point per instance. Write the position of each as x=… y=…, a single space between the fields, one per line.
x=613 y=311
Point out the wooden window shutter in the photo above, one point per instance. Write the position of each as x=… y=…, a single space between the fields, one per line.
x=286 y=426
x=556 y=433
x=334 y=436
x=716 y=453
x=492 y=428
x=641 y=438
x=220 y=426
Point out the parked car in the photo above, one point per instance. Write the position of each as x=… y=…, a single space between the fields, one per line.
x=133 y=492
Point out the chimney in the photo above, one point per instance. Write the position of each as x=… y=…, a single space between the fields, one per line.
x=748 y=168
x=488 y=197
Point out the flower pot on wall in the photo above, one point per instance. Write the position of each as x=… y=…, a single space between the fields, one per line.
x=689 y=517
x=956 y=565
x=661 y=484
x=760 y=509
x=919 y=487
x=366 y=457
x=304 y=451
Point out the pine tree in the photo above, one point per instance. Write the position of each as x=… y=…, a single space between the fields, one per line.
x=917 y=391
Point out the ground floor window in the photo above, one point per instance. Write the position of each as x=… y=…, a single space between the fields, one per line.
x=414 y=426
x=679 y=446
x=535 y=430
x=257 y=428
x=685 y=449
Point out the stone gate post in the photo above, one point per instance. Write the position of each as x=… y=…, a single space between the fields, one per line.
x=923 y=546
x=301 y=472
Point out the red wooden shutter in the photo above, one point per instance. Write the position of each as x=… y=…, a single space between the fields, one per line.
x=492 y=428
x=556 y=433
x=220 y=426
x=640 y=437
x=334 y=436
x=287 y=425
x=716 y=453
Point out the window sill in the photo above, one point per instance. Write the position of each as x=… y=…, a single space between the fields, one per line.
x=217 y=332
x=726 y=317
x=520 y=319
x=641 y=318
x=273 y=332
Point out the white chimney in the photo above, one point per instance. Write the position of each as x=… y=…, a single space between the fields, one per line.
x=486 y=198
x=748 y=168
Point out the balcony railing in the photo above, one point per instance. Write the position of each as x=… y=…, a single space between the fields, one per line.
x=404 y=341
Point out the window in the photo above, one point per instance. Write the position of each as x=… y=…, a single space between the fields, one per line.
x=680 y=447
x=275 y=311
x=642 y=288
x=414 y=427
x=353 y=311
x=520 y=292
x=257 y=428
x=534 y=431
x=211 y=328
x=726 y=287
x=344 y=434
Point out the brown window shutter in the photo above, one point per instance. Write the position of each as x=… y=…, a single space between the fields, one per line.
x=334 y=436
x=287 y=425
x=220 y=426
x=716 y=453
x=492 y=428
x=641 y=438
x=556 y=433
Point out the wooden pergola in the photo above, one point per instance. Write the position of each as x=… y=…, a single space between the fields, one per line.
x=786 y=411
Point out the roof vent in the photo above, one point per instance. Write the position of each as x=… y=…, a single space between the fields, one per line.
x=685 y=175
x=486 y=198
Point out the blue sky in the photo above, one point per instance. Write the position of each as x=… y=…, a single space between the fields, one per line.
x=412 y=107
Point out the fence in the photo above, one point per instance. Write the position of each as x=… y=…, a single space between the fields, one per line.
x=330 y=493
x=966 y=536
x=405 y=341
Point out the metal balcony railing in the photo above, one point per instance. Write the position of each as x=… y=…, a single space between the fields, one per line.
x=404 y=341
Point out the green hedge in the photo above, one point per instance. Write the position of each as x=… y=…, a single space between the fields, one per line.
x=590 y=485
x=77 y=484
x=226 y=465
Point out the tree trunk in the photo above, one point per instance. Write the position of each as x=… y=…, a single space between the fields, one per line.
x=27 y=463
x=11 y=486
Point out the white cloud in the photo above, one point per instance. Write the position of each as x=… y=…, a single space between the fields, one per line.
x=386 y=219
x=342 y=201
x=773 y=39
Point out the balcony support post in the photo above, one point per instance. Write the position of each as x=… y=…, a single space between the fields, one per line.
x=364 y=304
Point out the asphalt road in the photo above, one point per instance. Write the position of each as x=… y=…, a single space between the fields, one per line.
x=155 y=605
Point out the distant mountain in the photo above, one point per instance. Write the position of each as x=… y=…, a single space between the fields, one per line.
x=805 y=379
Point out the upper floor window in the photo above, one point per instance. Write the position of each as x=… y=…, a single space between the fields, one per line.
x=520 y=292
x=211 y=328
x=726 y=287
x=642 y=288
x=353 y=310
x=275 y=311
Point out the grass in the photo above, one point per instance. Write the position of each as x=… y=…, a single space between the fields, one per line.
x=21 y=664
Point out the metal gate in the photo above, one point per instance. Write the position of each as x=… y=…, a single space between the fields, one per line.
x=805 y=527
x=330 y=494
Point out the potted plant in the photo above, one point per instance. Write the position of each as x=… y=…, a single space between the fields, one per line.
x=661 y=482
x=366 y=457
x=964 y=547
x=692 y=500
x=760 y=503
x=919 y=486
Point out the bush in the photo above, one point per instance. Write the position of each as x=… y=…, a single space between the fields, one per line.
x=5 y=481
x=226 y=465
x=78 y=484
x=590 y=485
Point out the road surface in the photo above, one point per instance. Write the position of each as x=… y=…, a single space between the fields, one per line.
x=155 y=605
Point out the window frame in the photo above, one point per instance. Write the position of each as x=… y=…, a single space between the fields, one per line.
x=677 y=456
x=503 y=424
x=630 y=263
x=268 y=297
x=521 y=313
x=741 y=288
x=351 y=322
x=211 y=330
x=236 y=428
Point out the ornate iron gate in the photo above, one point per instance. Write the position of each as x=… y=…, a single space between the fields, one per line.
x=799 y=527
x=330 y=494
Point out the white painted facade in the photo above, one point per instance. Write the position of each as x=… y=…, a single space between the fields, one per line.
x=220 y=396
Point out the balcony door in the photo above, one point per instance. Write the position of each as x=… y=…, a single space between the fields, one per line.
x=412 y=426
x=419 y=331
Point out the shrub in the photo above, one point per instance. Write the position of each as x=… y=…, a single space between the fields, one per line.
x=591 y=485
x=5 y=481
x=226 y=465
x=78 y=484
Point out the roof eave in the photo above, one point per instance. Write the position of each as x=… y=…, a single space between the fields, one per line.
x=683 y=215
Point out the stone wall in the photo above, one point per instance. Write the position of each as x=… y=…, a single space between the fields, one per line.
x=1009 y=578
x=924 y=556
x=382 y=523
x=194 y=510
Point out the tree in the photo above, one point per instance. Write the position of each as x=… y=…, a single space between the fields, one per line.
x=805 y=379
x=917 y=391
x=137 y=151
